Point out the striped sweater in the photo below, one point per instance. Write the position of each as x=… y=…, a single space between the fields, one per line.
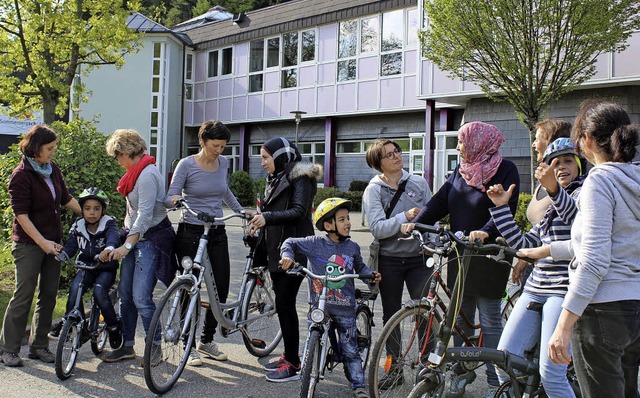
x=548 y=276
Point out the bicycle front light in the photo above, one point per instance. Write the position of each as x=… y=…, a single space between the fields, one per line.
x=317 y=315
x=187 y=263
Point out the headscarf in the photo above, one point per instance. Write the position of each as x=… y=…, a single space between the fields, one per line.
x=282 y=152
x=481 y=142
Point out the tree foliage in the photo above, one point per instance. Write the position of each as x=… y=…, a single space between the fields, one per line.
x=530 y=52
x=43 y=43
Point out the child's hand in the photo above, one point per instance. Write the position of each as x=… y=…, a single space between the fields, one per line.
x=104 y=255
x=377 y=278
x=498 y=195
x=286 y=263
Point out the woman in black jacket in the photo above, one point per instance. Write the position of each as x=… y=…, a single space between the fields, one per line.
x=285 y=212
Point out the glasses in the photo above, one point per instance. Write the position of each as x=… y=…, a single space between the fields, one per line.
x=389 y=155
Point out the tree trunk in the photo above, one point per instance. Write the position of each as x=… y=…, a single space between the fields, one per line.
x=49 y=103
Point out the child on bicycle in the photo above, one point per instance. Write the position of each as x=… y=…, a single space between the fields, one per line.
x=335 y=254
x=96 y=235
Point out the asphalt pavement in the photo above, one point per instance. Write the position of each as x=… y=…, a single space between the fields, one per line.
x=240 y=376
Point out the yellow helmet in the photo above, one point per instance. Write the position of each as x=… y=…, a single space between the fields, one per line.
x=327 y=209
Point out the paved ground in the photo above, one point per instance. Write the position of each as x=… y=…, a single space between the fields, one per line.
x=240 y=376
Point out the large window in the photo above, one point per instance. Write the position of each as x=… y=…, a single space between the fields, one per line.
x=392 y=43
x=297 y=48
x=220 y=62
x=158 y=97
x=347 y=50
x=259 y=51
x=188 y=77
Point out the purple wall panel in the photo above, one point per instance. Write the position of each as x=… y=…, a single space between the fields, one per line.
x=212 y=89
x=470 y=86
x=442 y=84
x=271 y=105
x=307 y=76
x=603 y=62
x=201 y=66
x=241 y=59
x=368 y=95
x=288 y=102
x=226 y=87
x=271 y=81
x=626 y=63
x=211 y=111
x=198 y=91
x=188 y=113
x=327 y=42
x=326 y=99
x=391 y=93
x=239 y=108
x=327 y=73
x=410 y=62
x=255 y=106
x=411 y=92
x=368 y=68
x=240 y=85
x=198 y=112
x=346 y=97
x=307 y=100
x=224 y=109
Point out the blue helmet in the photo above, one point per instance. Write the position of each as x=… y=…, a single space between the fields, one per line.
x=561 y=146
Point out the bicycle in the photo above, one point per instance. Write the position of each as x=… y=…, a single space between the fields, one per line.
x=322 y=350
x=176 y=318
x=409 y=333
x=78 y=327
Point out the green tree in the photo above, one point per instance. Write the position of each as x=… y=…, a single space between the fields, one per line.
x=201 y=7
x=530 y=52
x=43 y=44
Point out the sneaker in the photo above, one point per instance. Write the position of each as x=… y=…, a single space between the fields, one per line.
x=121 y=353
x=455 y=384
x=194 y=358
x=285 y=372
x=42 y=354
x=115 y=336
x=274 y=365
x=10 y=359
x=212 y=351
x=393 y=379
x=360 y=393
x=55 y=329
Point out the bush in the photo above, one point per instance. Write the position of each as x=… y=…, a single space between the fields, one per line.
x=84 y=163
x=259 y=184
x=325 y=193
x=242 y=187
x=355 y=197
x=521 y=212
x=357 y=185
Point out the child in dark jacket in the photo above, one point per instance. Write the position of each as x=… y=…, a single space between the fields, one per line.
x=95 y=235
x=335 y=254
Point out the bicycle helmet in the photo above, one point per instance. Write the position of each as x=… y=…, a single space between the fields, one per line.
x=328 y=209
x=94 y=193
x=561 y=146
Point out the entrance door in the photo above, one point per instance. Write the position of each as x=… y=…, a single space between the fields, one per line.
x=416 y=154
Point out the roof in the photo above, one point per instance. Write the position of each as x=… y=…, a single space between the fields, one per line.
x=141 y=24
x=217 y=13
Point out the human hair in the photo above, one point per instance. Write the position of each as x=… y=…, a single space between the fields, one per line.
x=35 y=138
x=609 y=126
x=375 y=153
x=552 y=129
x=213 y=130
x=127 y=142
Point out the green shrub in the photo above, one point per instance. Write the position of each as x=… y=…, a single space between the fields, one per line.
x=259 y=184
x=521 y=212
x=358 y=185
x=325 y=193
x=84 y=163
x=242 y=187
x=355 y=197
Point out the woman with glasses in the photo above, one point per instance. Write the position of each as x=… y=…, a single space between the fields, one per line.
x=463 y=197
x=399 y=260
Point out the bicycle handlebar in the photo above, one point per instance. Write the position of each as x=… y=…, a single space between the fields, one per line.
x=209 y=218
x=63 y=257
x=300 y=270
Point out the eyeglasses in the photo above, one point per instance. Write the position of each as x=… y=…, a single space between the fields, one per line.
x=389 y=155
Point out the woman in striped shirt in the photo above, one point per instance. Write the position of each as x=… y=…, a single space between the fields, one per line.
x=560 y=175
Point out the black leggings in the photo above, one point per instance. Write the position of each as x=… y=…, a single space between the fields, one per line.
x=286 y=289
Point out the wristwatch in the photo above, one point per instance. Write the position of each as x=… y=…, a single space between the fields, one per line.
x=128 y=245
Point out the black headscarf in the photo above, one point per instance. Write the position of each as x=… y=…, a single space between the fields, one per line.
x=282 y=152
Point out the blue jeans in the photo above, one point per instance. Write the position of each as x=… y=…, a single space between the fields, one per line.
x=137 y=281
x=101 y=282
x=523 y=331
x=348 y=337
x=606 y=349
x=491 y=322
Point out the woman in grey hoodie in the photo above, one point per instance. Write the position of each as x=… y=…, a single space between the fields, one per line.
x=601 y=311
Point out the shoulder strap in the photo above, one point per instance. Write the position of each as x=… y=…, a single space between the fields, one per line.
x=396 y=197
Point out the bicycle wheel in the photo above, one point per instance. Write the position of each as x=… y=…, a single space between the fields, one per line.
x=363 y=325
x=99 y=339
x=167 y=349
x=261 y=334
x=310 y=372
x=69 y=343
x=509 y=301
x=401 y=351
x=426 y=389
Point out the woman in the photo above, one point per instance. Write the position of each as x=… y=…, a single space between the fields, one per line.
x=201 y=179
x=600 y=316
x=559 y=176
x=147 y=251
x=399 y=261
x=463 y=196
x=37 y=191
x=285 y=212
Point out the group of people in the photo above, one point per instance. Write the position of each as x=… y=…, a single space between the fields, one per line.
x=585 y=226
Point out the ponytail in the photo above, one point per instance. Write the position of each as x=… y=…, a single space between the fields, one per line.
x=623 y=143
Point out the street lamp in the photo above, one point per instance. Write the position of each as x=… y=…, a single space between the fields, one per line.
x=298 y=118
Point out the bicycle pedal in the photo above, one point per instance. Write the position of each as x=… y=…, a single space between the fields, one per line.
x=258 y=343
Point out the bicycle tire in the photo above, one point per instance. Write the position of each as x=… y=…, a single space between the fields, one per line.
x=402 y=330
x=262 y=335
x=509 y=301
x=100 y=338
x=425 y=389
x=310 y=372
x=167 y=322
x=69 y=344
x=363 y=325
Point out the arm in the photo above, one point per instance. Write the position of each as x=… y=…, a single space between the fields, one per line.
x=508 y=228
x=558 y=347
x=438 y=205
x=177 y=185
x=148 y=189
x=299 y=204
x=71 y=245
x=380 y=226
x=230 y=199
x=565 y=204
x=113 y=239
x=512 y=178
x=74 y=206
x=561 y=250
x=46 y=245
x=290 y=247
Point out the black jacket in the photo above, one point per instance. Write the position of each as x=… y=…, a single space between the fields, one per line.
x=287 y=213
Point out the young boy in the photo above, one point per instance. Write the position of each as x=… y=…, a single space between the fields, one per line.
x=335 y=254
x=96 y=234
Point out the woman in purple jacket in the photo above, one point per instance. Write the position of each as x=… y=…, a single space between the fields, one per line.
x=37 y=192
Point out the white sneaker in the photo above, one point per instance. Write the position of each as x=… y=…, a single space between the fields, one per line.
x=212 y=351
x=194 y=358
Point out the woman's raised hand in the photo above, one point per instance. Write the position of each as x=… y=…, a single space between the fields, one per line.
x=498 y=195
x=546 y=175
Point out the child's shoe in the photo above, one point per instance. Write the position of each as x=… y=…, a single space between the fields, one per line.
x=55 y=329
x=360 y=393
x=115 y=336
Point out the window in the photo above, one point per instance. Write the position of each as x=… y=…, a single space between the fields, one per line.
x=220 y=62
x=188 y=69
x=369 y=35
x=273 y=52
x=313 y=152
x=158 y=96
x=188 y=77
x=308 y=51
x=257 y=55
x=392 y=43
x=212 y=70
x=297 y=47
x=227 y=61
x=254 y=150
x=232 y=152
x=347 y=47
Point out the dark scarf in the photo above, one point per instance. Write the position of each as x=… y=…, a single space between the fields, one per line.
x=283 y=152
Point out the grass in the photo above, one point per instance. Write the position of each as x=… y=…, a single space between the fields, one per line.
x=7 y=284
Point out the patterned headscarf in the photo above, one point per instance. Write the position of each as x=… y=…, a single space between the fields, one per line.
x=481 y=142
x=282 y=152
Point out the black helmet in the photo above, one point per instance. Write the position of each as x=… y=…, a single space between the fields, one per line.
x=94 y=193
